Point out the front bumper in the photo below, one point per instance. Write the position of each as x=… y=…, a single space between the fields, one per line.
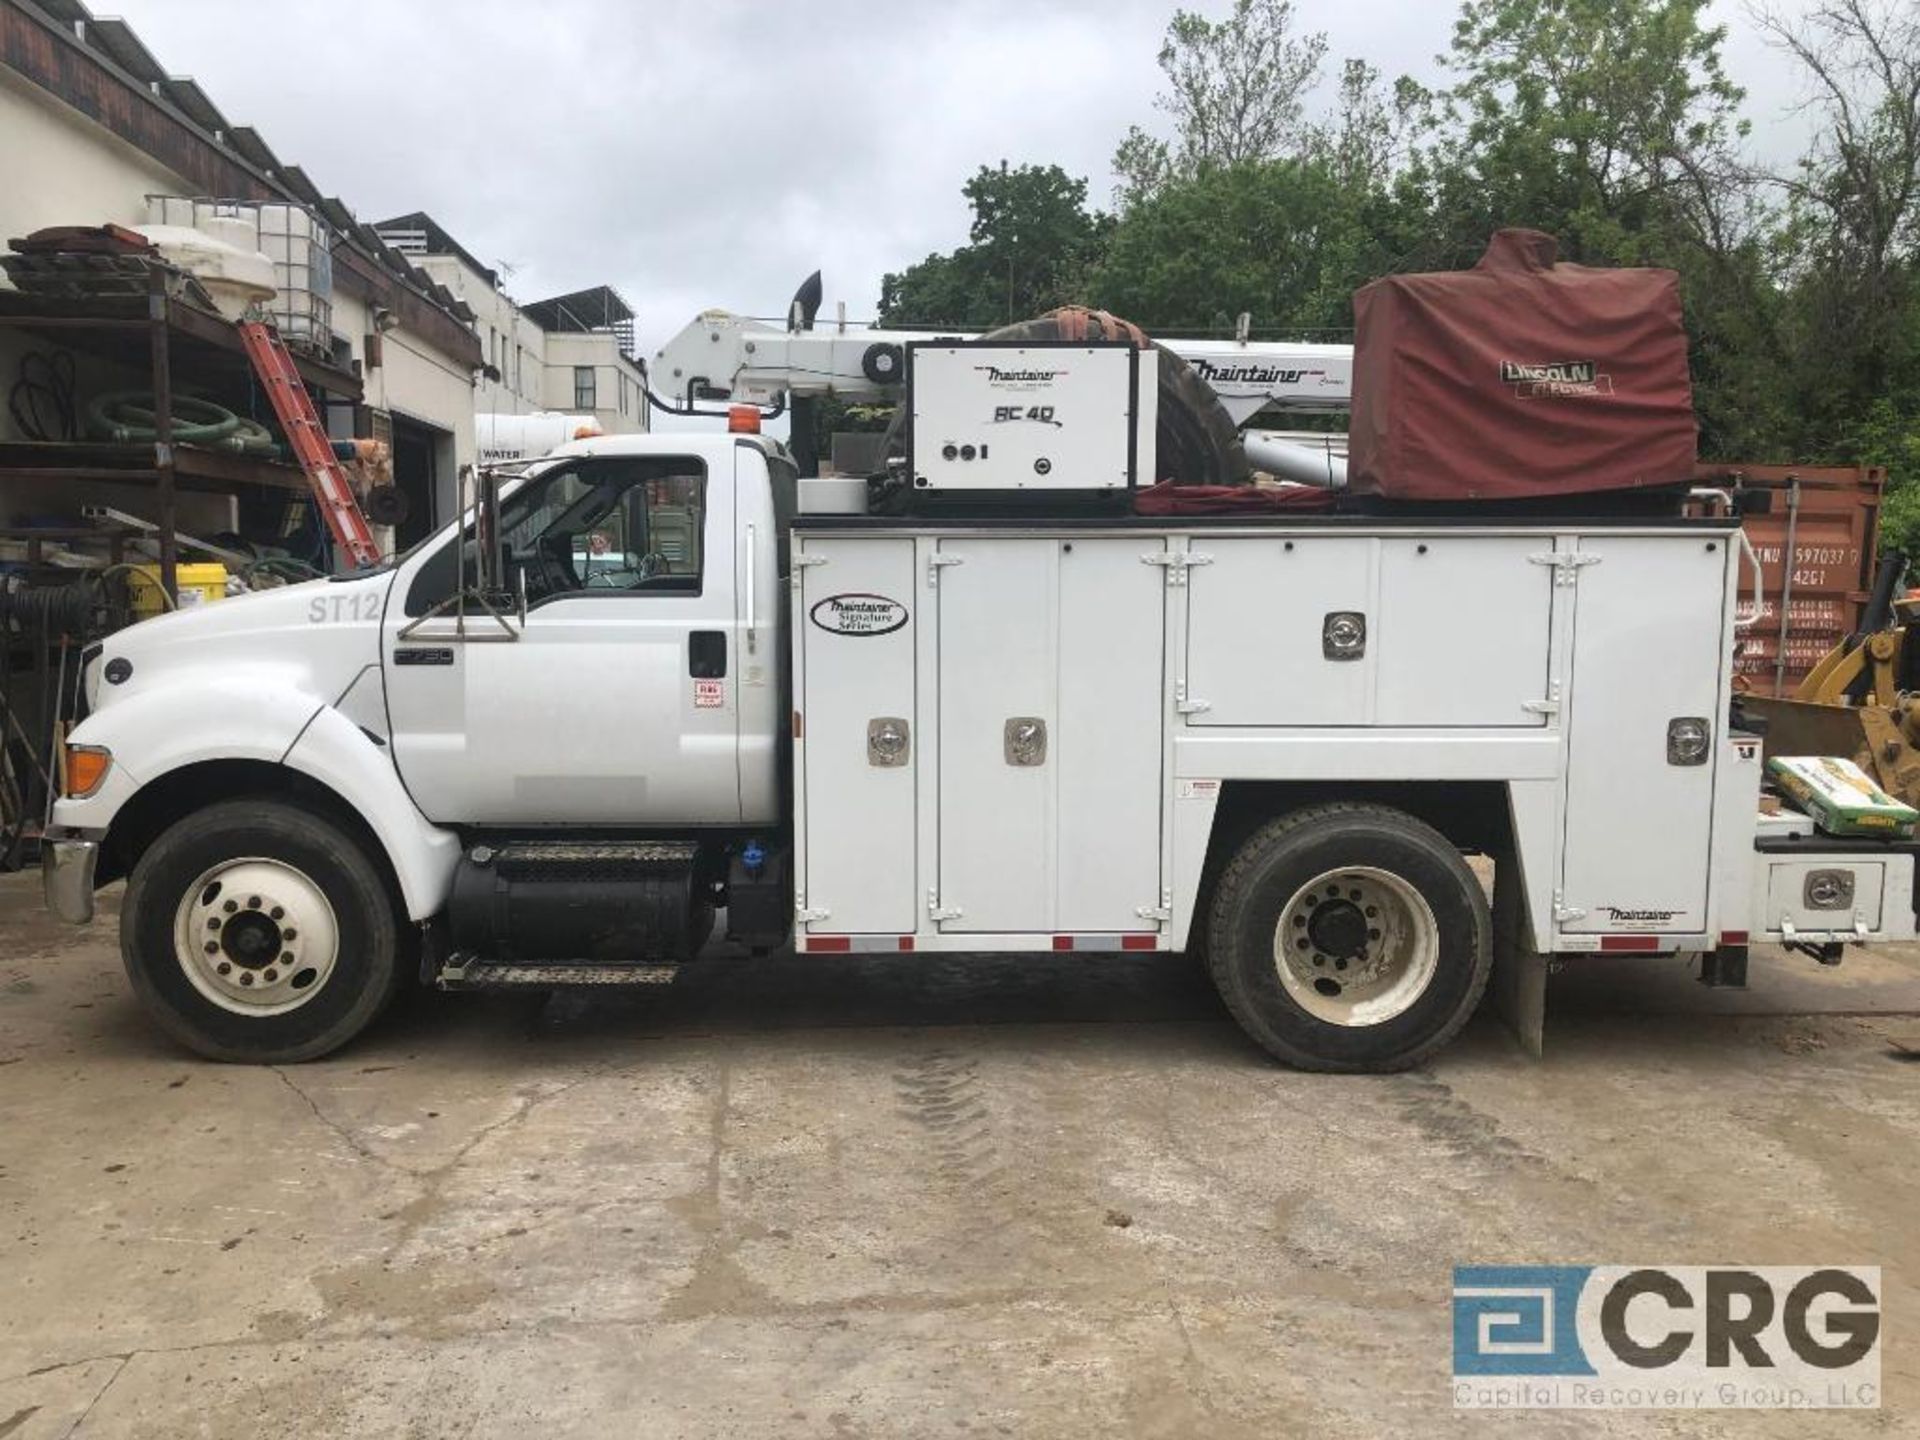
x=66 y=873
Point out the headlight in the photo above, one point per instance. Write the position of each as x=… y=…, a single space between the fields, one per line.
x=1687 y=740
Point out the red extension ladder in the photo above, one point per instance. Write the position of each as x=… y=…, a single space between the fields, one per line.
x=308 y=437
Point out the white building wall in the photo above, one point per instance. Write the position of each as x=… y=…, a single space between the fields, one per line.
x=59 y=168
x=511 y=343
x=619 y=397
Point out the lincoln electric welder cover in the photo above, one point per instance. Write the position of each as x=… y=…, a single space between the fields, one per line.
x=1519 y=377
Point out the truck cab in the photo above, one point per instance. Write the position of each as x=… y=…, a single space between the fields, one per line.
x=643 y=687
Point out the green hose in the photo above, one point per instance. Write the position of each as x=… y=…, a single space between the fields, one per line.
x=126 y=417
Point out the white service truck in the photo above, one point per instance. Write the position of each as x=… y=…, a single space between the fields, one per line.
x=642 y=685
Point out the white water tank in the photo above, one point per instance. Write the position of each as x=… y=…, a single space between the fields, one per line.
x=502 y=438
x=222 y=258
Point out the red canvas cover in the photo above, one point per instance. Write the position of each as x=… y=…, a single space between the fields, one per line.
x=1171 y=498
x=1519 y=378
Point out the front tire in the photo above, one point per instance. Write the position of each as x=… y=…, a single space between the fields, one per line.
x=1349 y=937
x=257 y=931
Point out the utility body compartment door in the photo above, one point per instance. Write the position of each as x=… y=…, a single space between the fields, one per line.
x=1648 y=648
x=1051 y=711
x=1456 y=630
x=858 y=740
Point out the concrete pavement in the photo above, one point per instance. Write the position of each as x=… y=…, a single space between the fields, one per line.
x=912 y=1196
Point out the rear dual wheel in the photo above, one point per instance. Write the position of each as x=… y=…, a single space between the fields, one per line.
x=255 y=930
x=1349 y=937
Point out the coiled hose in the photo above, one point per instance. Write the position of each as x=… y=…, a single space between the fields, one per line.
x=127 y=417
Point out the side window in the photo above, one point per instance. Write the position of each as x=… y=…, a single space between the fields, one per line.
x=592 y=528
x=784 y=477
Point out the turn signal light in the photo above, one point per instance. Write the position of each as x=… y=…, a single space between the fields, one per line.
x=743 y=420
x=86 y=767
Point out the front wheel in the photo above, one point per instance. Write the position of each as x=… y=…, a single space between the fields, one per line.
x=257 y=931
x=1349 y=937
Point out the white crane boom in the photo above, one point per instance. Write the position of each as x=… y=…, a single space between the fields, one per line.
x=722 y=357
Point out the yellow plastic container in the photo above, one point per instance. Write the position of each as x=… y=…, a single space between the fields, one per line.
x=198 y=583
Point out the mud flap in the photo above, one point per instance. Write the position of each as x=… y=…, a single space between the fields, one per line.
x=1519 y=985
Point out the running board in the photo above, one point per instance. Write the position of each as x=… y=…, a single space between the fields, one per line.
x=475 y=974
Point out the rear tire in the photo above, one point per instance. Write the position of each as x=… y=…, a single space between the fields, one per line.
x=257 y=931
x=1349 y=937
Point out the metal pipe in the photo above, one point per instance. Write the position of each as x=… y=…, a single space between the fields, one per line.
x=1786 y=586
x=1290 y=460
x=1880 y=604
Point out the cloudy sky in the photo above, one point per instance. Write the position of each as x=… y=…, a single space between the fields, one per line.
x=711 y=154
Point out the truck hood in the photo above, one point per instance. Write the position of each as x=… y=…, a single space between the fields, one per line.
x=312 y=638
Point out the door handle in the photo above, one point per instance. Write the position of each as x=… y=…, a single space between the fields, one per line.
x=753 y=565
x=1024 y=740
x=707 y=654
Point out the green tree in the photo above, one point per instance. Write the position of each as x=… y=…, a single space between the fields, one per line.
x=1031 y=246
x=1286 y=241
x=1850 y=242
x=1235 y=91
x=1609 y=123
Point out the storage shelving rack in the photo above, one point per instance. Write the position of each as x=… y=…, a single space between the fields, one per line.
x=175 y=338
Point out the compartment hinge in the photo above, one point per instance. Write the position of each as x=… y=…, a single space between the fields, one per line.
x=1162 y=911
x=804 y=559
x=804 y=915
x=1548 y=706
x=1176 y=563
x=1567 y=564
x=934 y=563
x=1564 y=913
x=1185 y=706
x=937 y=911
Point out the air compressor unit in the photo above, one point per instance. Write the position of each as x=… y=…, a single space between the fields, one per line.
x=1035 y=418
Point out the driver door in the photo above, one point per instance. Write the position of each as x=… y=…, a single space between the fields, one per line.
x=616 y=705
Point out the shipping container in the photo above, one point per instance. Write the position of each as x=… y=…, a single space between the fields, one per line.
x=1827 y=519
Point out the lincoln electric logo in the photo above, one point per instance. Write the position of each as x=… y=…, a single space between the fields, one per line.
x=1666 y=1337
x=996 y=376
x=1555 y=378
x=1249 y=373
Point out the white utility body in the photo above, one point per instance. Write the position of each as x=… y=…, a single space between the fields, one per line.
x=664 y=690
x=1167 y=665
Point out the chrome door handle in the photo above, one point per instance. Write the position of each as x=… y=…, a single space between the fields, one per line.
x=889 y=741
x=1024 y=740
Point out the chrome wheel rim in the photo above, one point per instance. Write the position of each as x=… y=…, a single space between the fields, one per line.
x=256 y=936
x=1356 y=946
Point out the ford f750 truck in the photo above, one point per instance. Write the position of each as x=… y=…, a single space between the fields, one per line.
x=648 y=683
